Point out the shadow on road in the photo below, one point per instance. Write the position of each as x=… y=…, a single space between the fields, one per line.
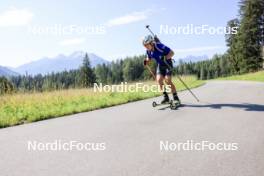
x=245 y=106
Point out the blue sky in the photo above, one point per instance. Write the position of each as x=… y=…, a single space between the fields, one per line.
x=121 y=27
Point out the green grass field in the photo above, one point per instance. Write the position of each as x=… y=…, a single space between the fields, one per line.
x=24 y=108
x=257 y=76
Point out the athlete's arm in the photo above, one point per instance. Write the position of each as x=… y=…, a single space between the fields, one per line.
x=147 y=60
x=170 y=55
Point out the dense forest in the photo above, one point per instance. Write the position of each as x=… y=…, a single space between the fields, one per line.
x=243 y=55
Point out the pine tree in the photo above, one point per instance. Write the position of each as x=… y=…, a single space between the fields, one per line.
x=251 y=34
x=87 y=73
x=5 y=86
x=202 y=73
x=232 y=43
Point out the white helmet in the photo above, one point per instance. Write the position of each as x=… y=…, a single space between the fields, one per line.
x=148 y=39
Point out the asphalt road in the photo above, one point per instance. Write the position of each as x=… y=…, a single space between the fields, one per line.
x=129 y=138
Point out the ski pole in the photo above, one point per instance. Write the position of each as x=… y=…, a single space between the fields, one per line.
x=185 y=85
x=147 y=26
x=151 y=72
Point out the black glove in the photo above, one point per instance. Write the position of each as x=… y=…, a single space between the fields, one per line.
x=145 y=62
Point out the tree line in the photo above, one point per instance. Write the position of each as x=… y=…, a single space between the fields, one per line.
x=79 y=78
x=218 y=66
x=122 y=70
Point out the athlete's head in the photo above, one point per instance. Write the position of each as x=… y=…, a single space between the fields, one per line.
x=148 y=42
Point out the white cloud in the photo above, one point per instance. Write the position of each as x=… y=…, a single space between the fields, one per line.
x=73 y=41
x=15 y=17
x=199 y=49
x=130 y=18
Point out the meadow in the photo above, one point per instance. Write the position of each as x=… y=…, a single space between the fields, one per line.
x=23 y=108
x=257 y=76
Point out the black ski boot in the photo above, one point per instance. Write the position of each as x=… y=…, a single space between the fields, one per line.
x=165 y=99
x=176 y=98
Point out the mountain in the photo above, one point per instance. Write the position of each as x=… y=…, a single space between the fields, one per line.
x=4 y=71
x=58 y=63
x=191 y=58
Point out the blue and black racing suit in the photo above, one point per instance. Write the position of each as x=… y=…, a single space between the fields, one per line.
x=160 y=51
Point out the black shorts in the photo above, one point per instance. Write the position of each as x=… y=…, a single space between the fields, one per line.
x=164 y=70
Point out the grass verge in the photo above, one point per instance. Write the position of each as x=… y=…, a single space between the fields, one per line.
x=30 y=107
x=257 y=76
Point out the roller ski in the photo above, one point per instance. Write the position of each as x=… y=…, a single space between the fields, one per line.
x=173 y=104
